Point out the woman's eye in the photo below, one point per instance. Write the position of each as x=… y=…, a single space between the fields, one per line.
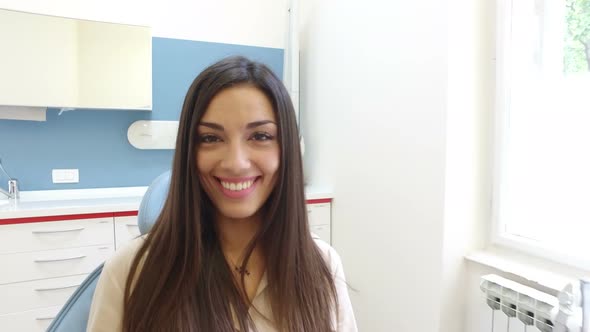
x=208 y=138
x=261 y=136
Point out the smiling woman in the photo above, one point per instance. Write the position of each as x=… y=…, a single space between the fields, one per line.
x=238 y=154
x=232 y=240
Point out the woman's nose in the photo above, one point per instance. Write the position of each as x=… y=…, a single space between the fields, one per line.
x=236 y=158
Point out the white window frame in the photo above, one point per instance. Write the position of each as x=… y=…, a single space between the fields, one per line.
x=502 y=103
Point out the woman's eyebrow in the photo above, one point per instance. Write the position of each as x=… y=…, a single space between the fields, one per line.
x=250 y=125
x=258 y=123
x=212 y=125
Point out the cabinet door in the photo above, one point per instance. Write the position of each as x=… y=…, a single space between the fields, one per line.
x=37 y=320
x=23 y=296
x=126 y=229
x=55 y=235
x=319 y=214
x=322 y=231
x=51 y=263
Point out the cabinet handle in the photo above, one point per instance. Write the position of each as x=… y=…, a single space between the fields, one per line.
x=104 y=221
x=55 y=288
x=59 y=230
x=132 y=225
x=45 y=260
x=45 y=318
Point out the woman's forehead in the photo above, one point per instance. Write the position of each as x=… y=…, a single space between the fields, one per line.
x=242 y=103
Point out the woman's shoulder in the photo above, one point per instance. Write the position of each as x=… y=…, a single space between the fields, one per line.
x=344 y=320
x=106 y=310
x=330 y=255
x=119 y=264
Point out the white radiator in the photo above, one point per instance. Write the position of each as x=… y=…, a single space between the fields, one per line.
x=519 y=308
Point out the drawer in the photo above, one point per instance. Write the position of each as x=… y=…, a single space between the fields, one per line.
x=55 y=235
x=24 y=296
x=126 y=229
x=37 y=320
x=51 y=263
x=319 y=214
x=323 y=231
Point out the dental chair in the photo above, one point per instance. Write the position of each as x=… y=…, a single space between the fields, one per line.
x=73 y=317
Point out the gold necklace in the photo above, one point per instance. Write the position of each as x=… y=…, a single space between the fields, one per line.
x=242 y=270
x=239 y=269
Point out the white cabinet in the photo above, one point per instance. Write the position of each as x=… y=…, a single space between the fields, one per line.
x=36 y=320
x=38 y=293
x=322 y=231
x=42 y=264
x=319 y=216
x=63 y=62
x=126 y=229
x=55 y=235
x=51 y=263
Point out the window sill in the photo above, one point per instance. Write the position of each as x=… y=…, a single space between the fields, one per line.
x=542 y=272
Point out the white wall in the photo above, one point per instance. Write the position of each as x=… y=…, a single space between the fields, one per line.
x=468 y=168
x=374 y=77
x=397 y=104
x=253 y=22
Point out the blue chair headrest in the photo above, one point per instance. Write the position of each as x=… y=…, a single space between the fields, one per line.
x=152 y=202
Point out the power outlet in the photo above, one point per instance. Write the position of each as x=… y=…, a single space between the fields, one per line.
x=65 y=176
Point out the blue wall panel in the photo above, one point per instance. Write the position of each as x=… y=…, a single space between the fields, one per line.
x=95 y=141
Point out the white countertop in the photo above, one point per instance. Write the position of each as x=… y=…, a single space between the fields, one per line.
x=25 y=208
x=83 y=201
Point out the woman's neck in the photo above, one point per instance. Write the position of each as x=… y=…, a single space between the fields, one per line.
x=235 y=234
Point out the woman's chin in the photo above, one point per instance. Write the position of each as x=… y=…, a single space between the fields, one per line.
x=237 y=213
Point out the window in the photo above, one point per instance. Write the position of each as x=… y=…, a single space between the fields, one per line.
x=542 y=185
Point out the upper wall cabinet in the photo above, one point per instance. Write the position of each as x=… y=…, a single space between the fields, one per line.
x=50 y=61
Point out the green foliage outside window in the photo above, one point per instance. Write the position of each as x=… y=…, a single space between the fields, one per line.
x=577 y=38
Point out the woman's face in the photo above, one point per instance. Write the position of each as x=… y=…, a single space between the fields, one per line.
x=238 y=151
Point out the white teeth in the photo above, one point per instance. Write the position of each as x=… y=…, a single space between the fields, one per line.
x=237 y=186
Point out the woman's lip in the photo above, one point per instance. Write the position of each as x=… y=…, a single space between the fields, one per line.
x=239 y=194
x=237 y=180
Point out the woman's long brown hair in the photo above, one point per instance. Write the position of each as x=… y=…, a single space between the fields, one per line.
x=179 y=279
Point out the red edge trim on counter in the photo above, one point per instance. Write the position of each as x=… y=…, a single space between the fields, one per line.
x=125 y=213
x=26 y=220
x=319 y=200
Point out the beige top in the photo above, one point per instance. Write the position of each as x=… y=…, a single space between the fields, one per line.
x=106 y=311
